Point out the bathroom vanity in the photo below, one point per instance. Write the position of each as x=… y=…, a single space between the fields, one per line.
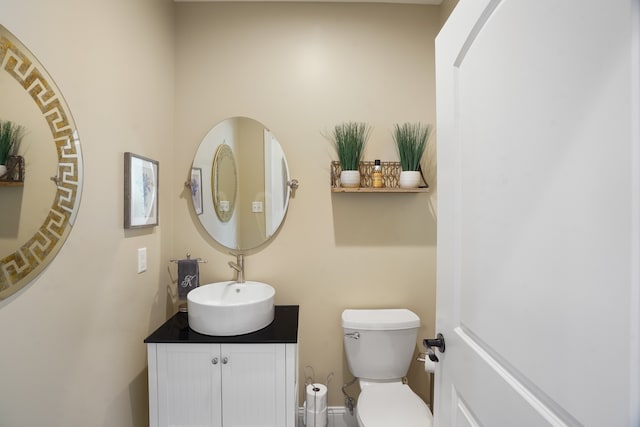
x=244 y=380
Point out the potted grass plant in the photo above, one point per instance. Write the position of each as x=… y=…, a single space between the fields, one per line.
x=10 y=138
x=349 y=140
x=411 y=141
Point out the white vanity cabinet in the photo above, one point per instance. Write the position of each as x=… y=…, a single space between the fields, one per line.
x=246 y=381
x=222 y=385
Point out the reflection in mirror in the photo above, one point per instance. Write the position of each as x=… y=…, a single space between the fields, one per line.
x=37 y=216
x=224 y=183
x=260 y=180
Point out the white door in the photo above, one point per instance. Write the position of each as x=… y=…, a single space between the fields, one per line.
x=539 y=214
x=276 y=187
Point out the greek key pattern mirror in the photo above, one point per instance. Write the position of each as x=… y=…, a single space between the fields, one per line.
x=31 y=256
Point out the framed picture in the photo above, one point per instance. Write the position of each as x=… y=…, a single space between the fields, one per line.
x=196 y=189
x=140 y=191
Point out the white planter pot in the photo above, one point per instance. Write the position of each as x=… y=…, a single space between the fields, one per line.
x=409 y=179
x=350 y=179
x=3 y=170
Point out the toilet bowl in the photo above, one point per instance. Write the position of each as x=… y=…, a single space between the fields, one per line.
x=379 y=346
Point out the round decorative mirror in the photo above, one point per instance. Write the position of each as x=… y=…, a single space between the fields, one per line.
x=240 y=183
x=40 y=202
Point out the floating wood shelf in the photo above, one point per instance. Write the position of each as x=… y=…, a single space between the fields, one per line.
x=379 y=190
x=390 y=178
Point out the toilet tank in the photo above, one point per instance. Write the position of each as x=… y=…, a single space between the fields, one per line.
x=379 y=343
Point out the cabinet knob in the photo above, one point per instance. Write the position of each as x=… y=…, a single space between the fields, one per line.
x=214 y=360
x=225 y=360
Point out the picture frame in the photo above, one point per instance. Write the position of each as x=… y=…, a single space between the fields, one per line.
x=196 y=189
x=140 y=191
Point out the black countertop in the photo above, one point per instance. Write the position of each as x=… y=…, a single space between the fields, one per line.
x=283 y=329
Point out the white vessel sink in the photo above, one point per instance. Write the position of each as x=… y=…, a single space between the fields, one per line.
x=230 y=308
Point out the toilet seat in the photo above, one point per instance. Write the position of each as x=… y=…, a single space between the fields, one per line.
x=392 y=404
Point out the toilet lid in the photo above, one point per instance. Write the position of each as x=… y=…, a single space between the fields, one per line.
x=395 y=404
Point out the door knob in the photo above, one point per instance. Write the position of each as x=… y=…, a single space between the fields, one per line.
x=214 y=360
x=438 y=343
x=225 y=360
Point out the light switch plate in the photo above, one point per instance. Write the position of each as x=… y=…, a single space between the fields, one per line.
x=142 y=260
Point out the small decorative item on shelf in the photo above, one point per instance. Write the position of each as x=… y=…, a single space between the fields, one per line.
x=376 y=176
x=10 y=138
x=411 y=141
x=349 y=140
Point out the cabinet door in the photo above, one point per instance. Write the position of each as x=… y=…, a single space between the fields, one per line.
x=254 y=385
x=189 y=391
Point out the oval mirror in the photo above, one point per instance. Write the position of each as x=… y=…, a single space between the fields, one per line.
x=39 y=210
x=224 y=181
x=240 y=183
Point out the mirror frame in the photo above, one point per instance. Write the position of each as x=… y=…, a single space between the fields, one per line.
x=224 y=233
x=31 y=257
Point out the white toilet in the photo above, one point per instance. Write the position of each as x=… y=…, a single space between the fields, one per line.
x=379 y=346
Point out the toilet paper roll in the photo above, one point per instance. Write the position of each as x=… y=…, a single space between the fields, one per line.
x=316 y=418
x=316 y=397
x=429 y=365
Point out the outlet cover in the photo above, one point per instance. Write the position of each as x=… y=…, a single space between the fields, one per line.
x=256 y=207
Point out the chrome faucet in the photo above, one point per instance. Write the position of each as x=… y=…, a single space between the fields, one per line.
x=238 y=266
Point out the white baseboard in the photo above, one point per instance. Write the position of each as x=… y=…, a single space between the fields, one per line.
x=339 y=416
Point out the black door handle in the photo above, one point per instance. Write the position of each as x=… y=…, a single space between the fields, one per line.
x=438 y=343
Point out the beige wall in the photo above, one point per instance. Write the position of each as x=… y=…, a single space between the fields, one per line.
x=446 y=8
x=300 y=69
x=72 y=351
